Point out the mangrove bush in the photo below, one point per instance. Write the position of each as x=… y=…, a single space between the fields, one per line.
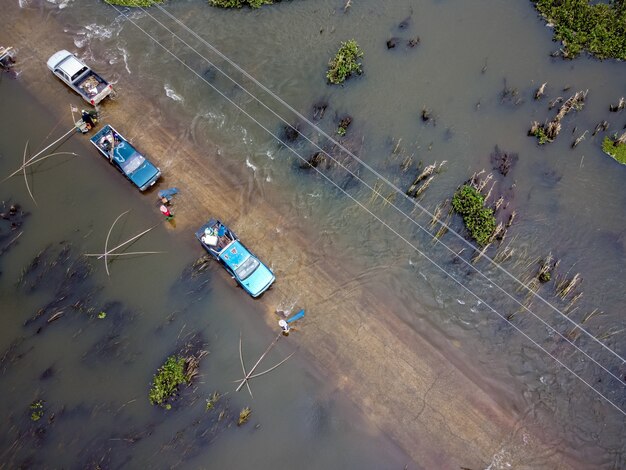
x=594 y=26
x=615 y=149
x=166 y=381
x=345 y=62
x=478 y=219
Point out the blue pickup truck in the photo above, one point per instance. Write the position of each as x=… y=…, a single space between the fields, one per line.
x=123 y=156
x=223 y=245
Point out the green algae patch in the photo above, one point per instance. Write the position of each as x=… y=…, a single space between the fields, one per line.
x=167 y=380
x=478 y=219
x=134 y=3
x=615 y=149
x=239 y=3
x=345 y=63
x=596 y=27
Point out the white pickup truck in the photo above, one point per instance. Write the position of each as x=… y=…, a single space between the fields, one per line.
x=79 y=77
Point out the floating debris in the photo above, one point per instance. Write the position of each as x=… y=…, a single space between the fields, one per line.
x=540 y=91
x=619 y=106
x=393 y=42
x=600 y=127
x=427 y=115
x=7 y=60
x=579 y=139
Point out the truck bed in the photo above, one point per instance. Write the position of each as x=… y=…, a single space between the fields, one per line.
x=91 y=84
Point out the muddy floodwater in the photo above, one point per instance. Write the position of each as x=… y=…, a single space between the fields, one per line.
x=448 y=83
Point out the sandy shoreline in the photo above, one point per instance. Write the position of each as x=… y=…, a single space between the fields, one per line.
x=404 y=386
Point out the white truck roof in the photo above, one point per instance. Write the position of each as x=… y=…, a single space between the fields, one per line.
x=65 y=61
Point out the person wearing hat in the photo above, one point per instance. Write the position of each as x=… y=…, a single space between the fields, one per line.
x=284 y=326
x=166 y=212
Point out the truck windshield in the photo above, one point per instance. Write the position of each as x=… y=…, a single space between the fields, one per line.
x=79 y=73
x=134 y=162
x=247 y=268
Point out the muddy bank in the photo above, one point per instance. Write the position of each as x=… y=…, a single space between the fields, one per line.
x=438 y=409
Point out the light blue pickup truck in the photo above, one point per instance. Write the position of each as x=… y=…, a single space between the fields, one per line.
x=79 y=77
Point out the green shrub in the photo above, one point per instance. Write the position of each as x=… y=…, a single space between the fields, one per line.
x=478 y=219
x=239 y=3
x=614 y=149
x=166 y=381
x=542 y=137
x=597 y=27
x=345 y=62
x=134 y=3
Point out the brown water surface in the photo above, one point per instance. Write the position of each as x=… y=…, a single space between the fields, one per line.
x=476 y=67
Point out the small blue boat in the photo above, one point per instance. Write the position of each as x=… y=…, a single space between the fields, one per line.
x=223 y=245
x=126 y=158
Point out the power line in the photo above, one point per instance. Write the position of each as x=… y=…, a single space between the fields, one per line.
x=392 y=204
x=376 y=173
x=374 y=215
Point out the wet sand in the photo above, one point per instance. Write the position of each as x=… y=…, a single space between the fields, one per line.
x=434 y=406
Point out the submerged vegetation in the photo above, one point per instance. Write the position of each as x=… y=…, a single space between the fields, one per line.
x=345 y=62
x=167 y=380
x=479 y=220
x=597 y=27
x=549 y=131
x=36 y=410
x=239 y=3
x=615 y=148
x=343 y=125
x=134 y=3
x=244 y=416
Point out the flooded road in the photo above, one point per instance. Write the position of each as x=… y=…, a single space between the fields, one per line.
x=475 y=70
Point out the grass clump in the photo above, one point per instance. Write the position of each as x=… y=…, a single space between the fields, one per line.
x=596 y=27
x=538 y=131
x=210 y=402
x=345 y=62
x=36 y=410
x=615 y=149
x=478 y=219
x=166 y=381
x=244 y=416
x=134 y=3
x=239 y=3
